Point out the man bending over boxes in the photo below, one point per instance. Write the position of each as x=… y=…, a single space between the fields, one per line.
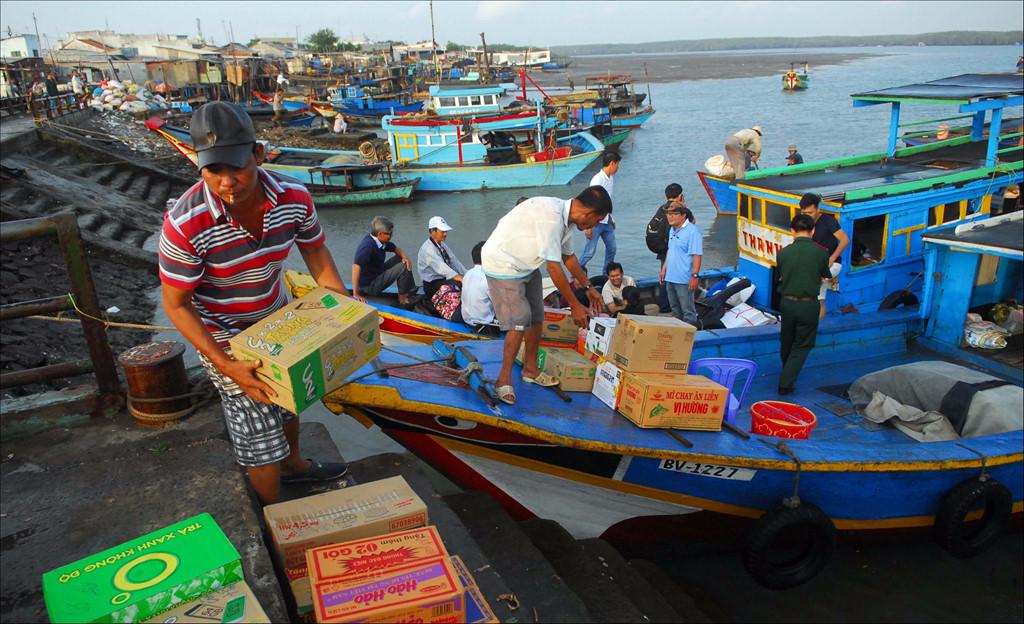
x=221 y=251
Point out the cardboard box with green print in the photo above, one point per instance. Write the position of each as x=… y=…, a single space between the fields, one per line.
x=309 y=347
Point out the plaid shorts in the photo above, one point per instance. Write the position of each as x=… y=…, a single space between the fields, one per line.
x=256 y=429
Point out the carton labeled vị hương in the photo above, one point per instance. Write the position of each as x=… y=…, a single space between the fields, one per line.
x=658 y=400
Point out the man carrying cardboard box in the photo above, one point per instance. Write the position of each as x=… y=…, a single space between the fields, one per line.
x=221 y=251
x=537 y=232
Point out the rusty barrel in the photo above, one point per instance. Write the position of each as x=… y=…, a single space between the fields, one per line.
x=154 y=371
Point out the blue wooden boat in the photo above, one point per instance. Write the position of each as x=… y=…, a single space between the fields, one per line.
x=448 y=155
x=357 y=102
x=617 y=93
x=593 y=471
x=337 y=177
x=885 y=202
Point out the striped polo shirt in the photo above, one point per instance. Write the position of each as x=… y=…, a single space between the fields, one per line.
x=235 y=280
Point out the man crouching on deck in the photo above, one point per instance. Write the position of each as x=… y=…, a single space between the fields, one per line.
x=221 y=251
x=534 y=233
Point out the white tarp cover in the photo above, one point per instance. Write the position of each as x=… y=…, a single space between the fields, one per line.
x=935 y=401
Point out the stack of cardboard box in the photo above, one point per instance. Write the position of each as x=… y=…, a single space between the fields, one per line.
x=186 y=572
x=367 y=553
x=642 y=373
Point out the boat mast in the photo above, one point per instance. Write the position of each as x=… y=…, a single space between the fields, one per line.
x=433 y=43
x=487 y=60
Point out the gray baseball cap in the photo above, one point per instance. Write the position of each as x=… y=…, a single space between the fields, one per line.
x=222 y=133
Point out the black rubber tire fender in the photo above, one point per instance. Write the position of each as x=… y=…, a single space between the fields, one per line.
x=761 y=538
x=950 y=528
x=898 y=298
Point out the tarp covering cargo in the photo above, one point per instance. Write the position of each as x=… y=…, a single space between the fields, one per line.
x=934 y=401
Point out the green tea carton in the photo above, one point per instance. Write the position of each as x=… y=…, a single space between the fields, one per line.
x=228 y=605
x=144 y=577
x=309 y=347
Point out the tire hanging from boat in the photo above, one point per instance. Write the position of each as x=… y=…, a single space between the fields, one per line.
x=898 y=298
x=951 y=529
x=762 y=542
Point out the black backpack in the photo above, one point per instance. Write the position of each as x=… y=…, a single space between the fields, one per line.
x=657 y=231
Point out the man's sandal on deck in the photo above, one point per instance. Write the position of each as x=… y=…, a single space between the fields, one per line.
x=506 y=393
x=542 y=379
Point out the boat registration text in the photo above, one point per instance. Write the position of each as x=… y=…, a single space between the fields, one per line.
x=708 y=470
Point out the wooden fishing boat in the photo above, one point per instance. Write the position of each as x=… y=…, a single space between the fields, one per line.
x=452 y=156
x=405 y=324
x=333 y=177
x=292 y=105
x=333 y=195
x=885 y=202
x=592 y=470
x=794 y=80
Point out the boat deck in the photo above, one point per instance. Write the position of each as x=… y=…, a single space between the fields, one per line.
x=841 y=437
x=835 y=182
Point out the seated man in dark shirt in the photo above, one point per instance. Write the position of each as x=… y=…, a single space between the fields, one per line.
x=794 y=157
x=371 y=274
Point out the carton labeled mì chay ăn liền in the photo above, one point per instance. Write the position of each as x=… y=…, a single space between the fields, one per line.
x=309 y=347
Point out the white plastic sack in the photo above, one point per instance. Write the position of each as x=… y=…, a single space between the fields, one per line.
x=720 y=166
x=742 y=296
x=1014 y=323
x=114 y=84
x=744 y=315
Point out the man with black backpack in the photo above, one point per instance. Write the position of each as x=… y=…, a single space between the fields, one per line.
x=657 y=234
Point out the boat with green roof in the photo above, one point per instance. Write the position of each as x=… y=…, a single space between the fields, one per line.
x=884 y=201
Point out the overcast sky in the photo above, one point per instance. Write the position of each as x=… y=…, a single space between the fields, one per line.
x=525 y=23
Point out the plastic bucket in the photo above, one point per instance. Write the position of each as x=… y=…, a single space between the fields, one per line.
x=781 y=420
x=943 y=132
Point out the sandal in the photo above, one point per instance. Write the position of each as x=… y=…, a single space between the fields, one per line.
x=542 y=379
x=507 y=394
x=318 y=471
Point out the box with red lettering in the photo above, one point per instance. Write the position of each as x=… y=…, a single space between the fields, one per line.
x=405 y=577
x=657 y=400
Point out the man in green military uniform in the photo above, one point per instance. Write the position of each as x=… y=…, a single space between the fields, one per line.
x=802 y=265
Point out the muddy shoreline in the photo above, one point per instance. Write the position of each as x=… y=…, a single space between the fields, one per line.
x=662 y=68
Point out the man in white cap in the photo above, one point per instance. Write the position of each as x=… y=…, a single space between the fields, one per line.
x=743 y=148
x=794 y=157
x=436 y=261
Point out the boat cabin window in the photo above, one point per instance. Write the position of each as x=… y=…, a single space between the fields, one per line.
x=944 y=213
x=474 y=100
x=744 y=207
x=868 y=245
x=777 y=215
x=757 y=208
x=489 y=99
x=447 y=102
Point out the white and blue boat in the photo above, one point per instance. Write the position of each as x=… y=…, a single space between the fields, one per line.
x=465 y=155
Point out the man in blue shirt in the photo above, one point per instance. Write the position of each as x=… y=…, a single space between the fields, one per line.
x=371 y=274
x=679 y=271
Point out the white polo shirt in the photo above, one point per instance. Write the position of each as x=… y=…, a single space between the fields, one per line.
x=603 y=179
x=477 y=308
x=531 y=234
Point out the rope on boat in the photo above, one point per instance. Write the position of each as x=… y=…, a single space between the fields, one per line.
x=472 y=367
